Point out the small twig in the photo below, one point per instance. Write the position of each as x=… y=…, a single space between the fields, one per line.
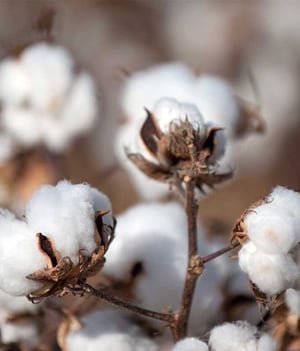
x=218 y=253
x=194 y=269
x=166 y=317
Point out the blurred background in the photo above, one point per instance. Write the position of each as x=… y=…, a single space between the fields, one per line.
x=113 y=39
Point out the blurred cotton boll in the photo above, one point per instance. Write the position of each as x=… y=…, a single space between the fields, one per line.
x=108 y=330
x=190 y=344
x=153 y=236
x=292 y=299
x=43 y=100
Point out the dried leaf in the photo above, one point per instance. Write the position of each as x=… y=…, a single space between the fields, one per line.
x=46 y=246
x=150 y=133
x=152 y=170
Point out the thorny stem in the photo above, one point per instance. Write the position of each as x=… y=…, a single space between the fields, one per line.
x=166 y=317
x=195 y=266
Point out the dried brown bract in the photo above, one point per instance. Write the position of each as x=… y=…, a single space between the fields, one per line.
x=181 y=152
x=62 y=274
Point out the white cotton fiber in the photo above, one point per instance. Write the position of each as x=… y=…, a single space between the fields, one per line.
x=238 y=336
x=19 y=255
x=271 y=228
x=50 y=71
x=142 y=89
x=65 y=213
x=190 y=344
x=292 y=299
x=169 y=110
x=109 y=330
x=14 y=82
x=216 y=101
x=272 y=273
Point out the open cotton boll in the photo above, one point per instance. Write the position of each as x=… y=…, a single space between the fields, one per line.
x=190 y=344
x=169 y=110
x=14 y=82
x=108 y=330
x=49 y=69
x=65 y=214
x=19 y=255
x=272 y=273
x=144 y=88
x=292 y=299
x=271 y=228
x=216 y=101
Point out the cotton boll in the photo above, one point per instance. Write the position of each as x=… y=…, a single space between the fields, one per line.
x=272 y=273
x=22 y=124
x=292 y=299
x=233 y=337
x=216 y=101
x=19 y=255
x=14 y=83
x=50 y=70
x=169 y=110
x=271 y=229
x=108 y=330
x=144 y=88
x=190 y=344
x=65 y=214
x=7 y=147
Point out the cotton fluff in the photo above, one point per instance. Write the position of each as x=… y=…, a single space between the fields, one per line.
x=292 y=299
x=19 y=255
x=43 y=101
x=65 y=213
x=168 y=110
x=144 y=88
x=239 y=336
x=271 y=228
x=155 y=236
x=271 y=273
x=108 y=330
x=217 y=102
x=190 y=344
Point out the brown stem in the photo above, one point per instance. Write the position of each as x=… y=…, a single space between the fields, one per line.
x=194 y=269
x=166 y=317
x=218 y=253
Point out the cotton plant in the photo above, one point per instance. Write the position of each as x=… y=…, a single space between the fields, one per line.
x=153 y=236
x=177 y=91
x=65 y=232
x=43 y=99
